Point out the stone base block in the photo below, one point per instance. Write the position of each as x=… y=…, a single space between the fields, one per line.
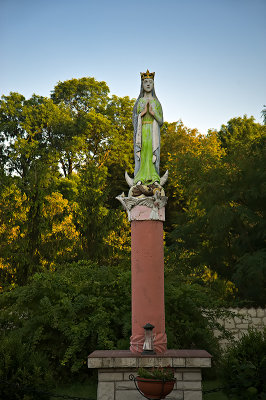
x=114 y=368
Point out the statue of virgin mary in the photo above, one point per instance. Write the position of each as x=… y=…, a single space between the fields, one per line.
x=147 y=120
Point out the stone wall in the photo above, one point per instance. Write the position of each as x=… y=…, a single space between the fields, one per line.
x=116 y=366
x=241 y=321
x=115 y=385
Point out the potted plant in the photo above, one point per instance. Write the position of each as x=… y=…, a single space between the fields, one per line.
x=156 y=383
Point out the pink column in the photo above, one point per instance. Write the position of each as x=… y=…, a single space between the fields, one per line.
x=147 y=269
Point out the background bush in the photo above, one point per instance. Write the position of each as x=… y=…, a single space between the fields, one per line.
x=22 y=366
x=244 y=367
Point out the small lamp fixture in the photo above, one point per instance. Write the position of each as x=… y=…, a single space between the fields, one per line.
x=148 y=341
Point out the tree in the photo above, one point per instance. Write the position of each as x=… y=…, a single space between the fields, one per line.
x=239 y=133
x=263 y=113
x=187 y=155
x=82 y=95
x=96 y=221
x=29 y=157
x=100 y=128
x=86 y=100
x=222 y=226
x=121 y=155
x=13 y=217
x=89 y=135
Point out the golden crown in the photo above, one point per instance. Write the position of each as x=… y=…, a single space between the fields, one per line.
x=147 y=75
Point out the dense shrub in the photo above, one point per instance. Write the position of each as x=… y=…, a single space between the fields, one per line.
x=22 y=369
x=82 y=307
x=67 y=314
x=244 y=367
x=191 y=316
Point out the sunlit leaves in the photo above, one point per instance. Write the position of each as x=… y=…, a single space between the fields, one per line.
x=220 y=199
x=82 y=94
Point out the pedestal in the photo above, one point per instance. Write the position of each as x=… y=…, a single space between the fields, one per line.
x=147 y=280
x=115 y=366
x=147 y=273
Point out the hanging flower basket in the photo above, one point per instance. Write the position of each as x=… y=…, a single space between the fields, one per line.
x=156 y=383
x=154 y=389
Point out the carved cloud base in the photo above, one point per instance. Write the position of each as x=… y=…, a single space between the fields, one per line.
x=144 y=209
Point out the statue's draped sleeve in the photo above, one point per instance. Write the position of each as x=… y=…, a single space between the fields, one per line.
x=157 y=122
x=158 y=112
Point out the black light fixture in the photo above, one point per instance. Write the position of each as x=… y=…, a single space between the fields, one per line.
x=148 y=341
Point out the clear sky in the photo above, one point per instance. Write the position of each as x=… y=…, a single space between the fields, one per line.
x=209 y=55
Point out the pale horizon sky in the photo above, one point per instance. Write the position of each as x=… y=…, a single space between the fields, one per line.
x=209 y=55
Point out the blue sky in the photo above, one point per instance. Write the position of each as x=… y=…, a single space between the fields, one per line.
x=209 y=55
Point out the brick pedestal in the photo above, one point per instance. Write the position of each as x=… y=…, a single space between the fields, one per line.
x=147 y=278
x=114 y=368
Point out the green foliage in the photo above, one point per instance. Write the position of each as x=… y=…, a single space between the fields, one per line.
x=26 y=127
x=69 y=313
x=96 y=221
x=83 y=134
x=219 y=199
x=92 y=214
x=82 y=94
x=216 y=210
x=62 y=162
x=240 y=133
x=29 y=159
x=250 y=276
x=191 y=315
x=22 y=367
x=157 y=373
x=244 y=367
x=34 y=235
x=211 y=385
x=99 y=127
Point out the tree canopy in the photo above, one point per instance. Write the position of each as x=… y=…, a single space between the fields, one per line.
x=62 y=163
x=65 y=242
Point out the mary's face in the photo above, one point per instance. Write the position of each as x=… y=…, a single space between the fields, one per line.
x=148 y=85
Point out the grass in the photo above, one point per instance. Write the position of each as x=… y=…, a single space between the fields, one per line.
x=208 y=385
x=87 y=390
